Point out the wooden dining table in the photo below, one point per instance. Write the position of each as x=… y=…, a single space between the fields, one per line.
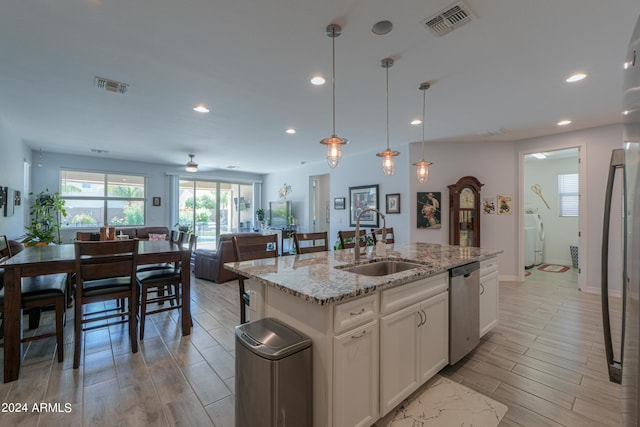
x=40 y=260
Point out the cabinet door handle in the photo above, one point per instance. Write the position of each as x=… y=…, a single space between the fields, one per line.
x=481 y=289
x=425 y=317
x=421 y=319
x=363 y=333
x=357 y=312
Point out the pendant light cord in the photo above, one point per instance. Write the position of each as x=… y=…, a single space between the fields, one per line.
x=424 y=118
x=387 y=105
x=333 y=75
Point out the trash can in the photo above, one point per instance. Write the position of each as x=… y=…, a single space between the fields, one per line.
x=573 y=249
x=273 y=375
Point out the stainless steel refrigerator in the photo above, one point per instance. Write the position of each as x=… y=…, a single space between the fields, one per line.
x=626 y=369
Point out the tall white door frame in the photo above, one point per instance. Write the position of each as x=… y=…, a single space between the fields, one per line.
x=582 y=204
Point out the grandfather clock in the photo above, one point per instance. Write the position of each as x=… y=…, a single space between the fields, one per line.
x=464 y=212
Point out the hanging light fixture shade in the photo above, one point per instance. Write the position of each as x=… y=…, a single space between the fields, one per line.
x=423 y=166
x=334 y=142
x=388 y=164
x=191 y=165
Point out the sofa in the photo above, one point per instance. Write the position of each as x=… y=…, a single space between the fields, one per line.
x=209 y=264
x=143 y=233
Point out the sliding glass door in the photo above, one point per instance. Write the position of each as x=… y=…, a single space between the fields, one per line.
x=212 y=208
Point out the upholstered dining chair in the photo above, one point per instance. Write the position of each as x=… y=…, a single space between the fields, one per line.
x=39 y=292
x=376 y=234
x=348 y=238
x=311 y=242
x=175 y=237
x=87 y=236
x=105 y=271
x=162 y=284
x=249 y=247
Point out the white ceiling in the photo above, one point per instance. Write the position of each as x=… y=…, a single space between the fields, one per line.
x=251 y=61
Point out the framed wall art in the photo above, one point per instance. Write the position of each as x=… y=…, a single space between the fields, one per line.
x=361 y=198
x=428 y=206
x=339 y=203
x=504 y=204
x=489 y=205
x=393 y=203
x=157 y=201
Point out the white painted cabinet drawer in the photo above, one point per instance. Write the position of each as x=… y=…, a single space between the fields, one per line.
x=402 y=296
x=488 y=266
x=355 y=312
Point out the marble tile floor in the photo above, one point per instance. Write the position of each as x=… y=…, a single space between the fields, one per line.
x=443 y=403
x=544 y=361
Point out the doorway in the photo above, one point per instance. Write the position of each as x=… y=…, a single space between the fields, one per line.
x=319 y=208
x=551 y=214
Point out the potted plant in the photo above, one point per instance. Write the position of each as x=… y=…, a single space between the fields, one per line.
x=45 y=219
x=260 y=214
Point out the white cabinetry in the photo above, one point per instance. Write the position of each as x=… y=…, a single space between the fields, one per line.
x=355 y=382
x=355 y=361
x=414 y=340
x=488 y=295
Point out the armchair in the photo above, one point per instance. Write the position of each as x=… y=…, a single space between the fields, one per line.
x=209 y=264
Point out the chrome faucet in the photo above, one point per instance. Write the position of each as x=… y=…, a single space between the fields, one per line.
x=383 y=239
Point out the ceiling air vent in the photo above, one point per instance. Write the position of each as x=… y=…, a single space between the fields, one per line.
x=111 y=85
x=449 y=19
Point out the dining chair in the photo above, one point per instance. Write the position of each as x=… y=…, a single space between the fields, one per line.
x=105 y=271
x=250 y=247
x=175 y=237
x=311 y=242
x=162 y=284
x=39 y=292
x=86 y=236
x=377 y=233
x=348 y=238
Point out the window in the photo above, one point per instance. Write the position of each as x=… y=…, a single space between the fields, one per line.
x=568 y=195
x=93 y=199
x=211 y=208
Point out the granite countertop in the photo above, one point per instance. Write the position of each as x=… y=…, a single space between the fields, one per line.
x=315 y=278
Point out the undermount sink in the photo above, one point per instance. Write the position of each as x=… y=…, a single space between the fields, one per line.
x=381 y=268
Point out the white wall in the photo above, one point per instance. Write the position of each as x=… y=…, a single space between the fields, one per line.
x=598 y=142
x=494 y=165
x=354 y=170
x=157 y=176
x=560 y=232
x=13 y=154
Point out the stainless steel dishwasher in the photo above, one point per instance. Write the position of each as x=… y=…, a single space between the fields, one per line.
x=464 y=310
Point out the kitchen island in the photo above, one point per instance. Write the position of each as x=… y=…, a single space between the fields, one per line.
x=375 y=339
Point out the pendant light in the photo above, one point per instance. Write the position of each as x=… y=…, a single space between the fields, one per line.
x=191 y=165
x=423 y=166
x=334 y=142
x=388 y=165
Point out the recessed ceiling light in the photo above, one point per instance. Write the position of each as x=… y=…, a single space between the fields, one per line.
x=539 y=156
x=564 y=122
x=317 y=80
x=416 y=122
x=576 y=77
x=290 y=131
x=382 y=27
x=626 y=112
x=201 y=109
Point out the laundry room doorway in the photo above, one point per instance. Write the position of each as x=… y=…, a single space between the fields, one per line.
x=550 y=219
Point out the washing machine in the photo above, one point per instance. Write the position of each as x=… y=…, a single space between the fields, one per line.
x=533 y=239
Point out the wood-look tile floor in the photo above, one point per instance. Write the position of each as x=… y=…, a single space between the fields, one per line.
x=545 y=361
